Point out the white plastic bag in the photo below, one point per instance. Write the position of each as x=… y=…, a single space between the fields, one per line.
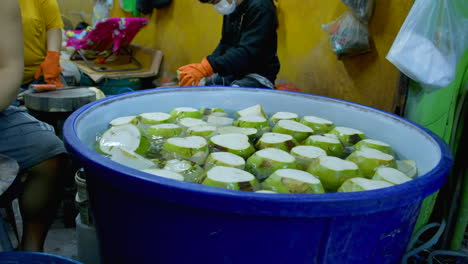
x=431 y=41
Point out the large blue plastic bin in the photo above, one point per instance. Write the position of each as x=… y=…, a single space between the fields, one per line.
x=143 y=219
x=33 y=258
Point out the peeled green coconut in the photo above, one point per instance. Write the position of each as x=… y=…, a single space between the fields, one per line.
x=164 y=131
x=231 y=178
x=297 y=130
x=276 y=140
x=188 y=122
x=155 y=118
x=331 y=145
x=234 y=143
x=368 y=160
x=124 y=120
x=201 y=130
x=131 y=159
x=408 y=167
x=362 y=184
x=224 y=159
x=213 y=112
x=219 y=121
x=283 y=116
x=193 y=148
x=333 y=171
x=126 y=136
x=190 y=170
x=305 y=155
x=390 y=175
x=374 y=144
x=348 y=136
x=256 y=110
x=266 y=161
x=165 y=174
x=258 y=122
x=292 y=181
x=319 y=125
x=249 y=132
x=183 y=112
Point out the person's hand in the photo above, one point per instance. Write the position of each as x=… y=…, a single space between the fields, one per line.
x=51 y=69
x=190 y=75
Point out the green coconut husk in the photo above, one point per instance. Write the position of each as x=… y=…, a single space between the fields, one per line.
x=292 y=181
x=219 y=121
x=249 y=132
x=191 y=171
x=305 y=155
x=374 y=144
x=368 y=160
x=266 y=161
x=225 y=159
x=319 y=125
x=193 y=148
x=231 y=178
x=201 y=130
x=333 y=171
x=185 y=112
x=331 y=145
x=297 y=130
x=234 y=143
x=283 y=116
x=390 y=175
x=256 y=110
x=408 y=167
x=348 y=136
x=155 y=118
x=126 y=136
x=124 y=120
x=362 y=184
x=276 y=140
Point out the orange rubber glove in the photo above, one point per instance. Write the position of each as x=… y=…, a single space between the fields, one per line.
x=190 y=75
x=51 y=69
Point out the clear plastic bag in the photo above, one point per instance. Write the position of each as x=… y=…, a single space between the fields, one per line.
x=362 y=9
x=348 y=36
x=431 y=42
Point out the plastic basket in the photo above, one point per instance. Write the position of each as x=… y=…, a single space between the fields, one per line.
x=33 y=258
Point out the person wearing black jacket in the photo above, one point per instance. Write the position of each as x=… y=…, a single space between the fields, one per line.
x=246 y=55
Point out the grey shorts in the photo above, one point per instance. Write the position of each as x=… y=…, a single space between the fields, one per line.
x=26 y=139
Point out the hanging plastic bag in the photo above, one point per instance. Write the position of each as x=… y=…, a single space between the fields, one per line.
x=101 y=10
x=348 y=36
x=362 y=9
x=431 y=41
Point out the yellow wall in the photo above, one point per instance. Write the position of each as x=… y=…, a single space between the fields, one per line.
x=187 y=31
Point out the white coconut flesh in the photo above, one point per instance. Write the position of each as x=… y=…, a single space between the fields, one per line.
x=408 y=167
x=374 y=154
x=156 y=116
x=366 y=184
x=330 y=135
x=177 y=165
x=308 y=151
x=229 y=175
x=165 y=126
x=337 y=164
x=255 y=110
x=294 y=126
x=131 y=159
x=122 y=120
x=202 y=128
x=237 y=130
x=274 y=138
x=126 y=136
x=165 y=174
x=253 y=119
x=392 y=175
x=231 y=141
x=347 y=131
x=219 y=120
x=191 y=122
x=284 y=115
x=317 y=120
x=185 y=109
x=192 y=142
x=275 y=154
x=228 y=158
x=265 y=191
x=376 y=142
x=297 y=175
x=325 y=139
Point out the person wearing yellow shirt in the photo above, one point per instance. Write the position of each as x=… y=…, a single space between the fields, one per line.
x=42 y=33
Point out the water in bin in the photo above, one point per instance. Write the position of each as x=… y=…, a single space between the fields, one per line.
x=33 y=258
x=143 y=219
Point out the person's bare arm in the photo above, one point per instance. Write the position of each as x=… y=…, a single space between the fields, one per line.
x=11 y=52
x=54 y=39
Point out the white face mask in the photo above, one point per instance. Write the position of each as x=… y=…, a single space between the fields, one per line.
x=224 y=8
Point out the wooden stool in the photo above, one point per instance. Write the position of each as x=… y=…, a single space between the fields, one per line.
x=10 y=189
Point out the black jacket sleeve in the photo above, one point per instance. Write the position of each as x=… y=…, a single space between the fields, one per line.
x=256 y=45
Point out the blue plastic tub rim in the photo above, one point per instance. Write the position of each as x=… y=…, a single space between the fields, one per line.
x=292 y=205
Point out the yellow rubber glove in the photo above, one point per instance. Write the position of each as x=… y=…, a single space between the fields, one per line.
x=51 y=69
x=190 y=75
